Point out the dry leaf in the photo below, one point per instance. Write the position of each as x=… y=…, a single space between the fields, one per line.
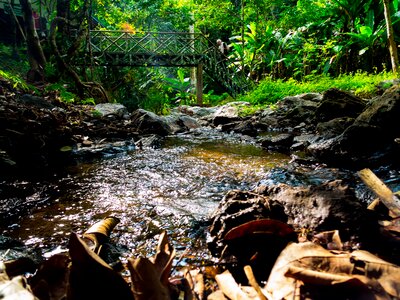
x=51 y=279
x=91 y=277
x=253 y=282
x=163 y=258
x=329 y=238
x=230 y=288
x=150 y=276
x=358 y=273
x=14 y=289
x=146 y=284
x=217 y=295
x=262 y=226
x=100 y=232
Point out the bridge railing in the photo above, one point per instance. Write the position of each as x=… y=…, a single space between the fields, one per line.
x=151 y=43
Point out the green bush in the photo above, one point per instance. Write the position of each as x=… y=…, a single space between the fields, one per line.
x=271 y=91
x=63 y=93
x=16 y=81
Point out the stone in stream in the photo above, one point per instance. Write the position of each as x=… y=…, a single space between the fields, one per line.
x=149 y=123
x=112 y=109
x=331 y=205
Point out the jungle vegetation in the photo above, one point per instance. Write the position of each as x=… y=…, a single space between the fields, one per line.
x=283 y=46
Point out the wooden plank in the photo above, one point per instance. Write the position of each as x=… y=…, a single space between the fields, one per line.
x=381 y=190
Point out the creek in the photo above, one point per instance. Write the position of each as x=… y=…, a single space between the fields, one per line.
x=175 y=188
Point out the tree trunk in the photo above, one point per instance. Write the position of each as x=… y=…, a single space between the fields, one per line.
x=392 y=44
x=37 y=60
x=64 y=13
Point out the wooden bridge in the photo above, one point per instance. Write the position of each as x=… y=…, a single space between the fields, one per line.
x=169 y=49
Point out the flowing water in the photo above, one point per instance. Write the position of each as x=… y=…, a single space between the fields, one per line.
x=174 y=188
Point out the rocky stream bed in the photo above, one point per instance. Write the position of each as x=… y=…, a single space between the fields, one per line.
x=315 y=196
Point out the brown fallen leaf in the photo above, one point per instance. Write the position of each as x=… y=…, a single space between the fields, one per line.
x=16 y=288
x=99 y=232
x=51 y=279
x=163 y=258
x=150 y=276
x=262 y=226
x=146 y=284
x=358 y=273
x=331 y=239
x=92 y=278
x=232 y=290
x=253 y=282
x=258 y=243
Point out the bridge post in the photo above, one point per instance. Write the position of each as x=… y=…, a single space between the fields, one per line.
x=199 y=84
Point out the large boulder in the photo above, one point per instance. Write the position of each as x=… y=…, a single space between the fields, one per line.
x=38 y=102
x=291 y=112
x=228 y=113
x=370 y=139
x=337 y=104
x=237 y=208
x=327 y=206
x=112 y=109
x=246 y=127
x=181 y=123
x=149 y=123
x=334 y=127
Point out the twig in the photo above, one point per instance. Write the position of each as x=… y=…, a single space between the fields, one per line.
x=381 y=190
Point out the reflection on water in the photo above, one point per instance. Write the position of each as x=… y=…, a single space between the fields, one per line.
x=172 y=189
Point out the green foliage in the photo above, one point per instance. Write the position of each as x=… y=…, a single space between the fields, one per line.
x=88 y=101
x=180 y=87
x=15 y=80
x=210 y=99
x=271 y=91
x=63 y=93
x=245 y=111
x=96 y=113
x=156 y=102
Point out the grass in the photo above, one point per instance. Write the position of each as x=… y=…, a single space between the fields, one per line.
x=271 y=91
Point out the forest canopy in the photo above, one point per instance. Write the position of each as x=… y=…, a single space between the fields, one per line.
x=267 y=39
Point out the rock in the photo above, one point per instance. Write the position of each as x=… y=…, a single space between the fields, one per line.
x=318 y=207
x=328 y=206
x=237 y=208
x=197 y=111
x=334 y=127
x=336 y=104
x=112 y=109
x=149 y=123
x=280 y=142
x=11 y=249
x=305 y=139
x=36 y=101
x=228 y=113
x=89 y=150
x=370 y=139
x=152 y=141
x=291 y=112
x=181 y=123
x=245 y=127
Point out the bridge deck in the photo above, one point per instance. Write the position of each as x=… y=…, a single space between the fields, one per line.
x=169 y=49
x=121 y=48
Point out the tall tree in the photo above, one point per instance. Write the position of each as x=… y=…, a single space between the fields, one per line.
x=392 y=44
x=37 y=60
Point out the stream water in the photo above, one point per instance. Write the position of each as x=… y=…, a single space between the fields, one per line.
x=174 y=188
